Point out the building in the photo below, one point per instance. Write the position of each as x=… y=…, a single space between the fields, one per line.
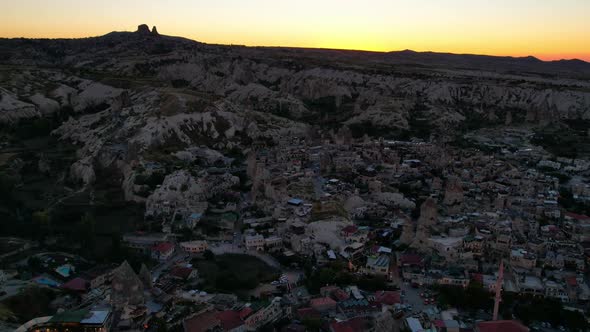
x=414 y=324
x=193 y=219
x=143 y=242
x=501 y=326
x=378 y=265
x=295 y=202
x=184 y=273
x=273 y=243
x=323 y=304
x=162 y=251
x=203 y=321
x=446 y=246
x=356 y=324
x=254 y=242
x=194 y=247
x=231 y=321
x=77 y=285
x=388 y=298
x=556 y=290
x=98 y=275
x=264 y=313
x=71 y=321
x=126 y=287
x=522 y=258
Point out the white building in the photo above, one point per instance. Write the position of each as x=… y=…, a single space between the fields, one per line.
x=254 y=242
x=194 y=247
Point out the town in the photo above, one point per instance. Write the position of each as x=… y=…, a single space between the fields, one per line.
x=330 y=233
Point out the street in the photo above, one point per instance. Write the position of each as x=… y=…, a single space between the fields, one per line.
x=231 y=248
x=412 y=297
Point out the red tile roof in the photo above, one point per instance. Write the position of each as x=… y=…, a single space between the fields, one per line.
x=306 y=313
x=245 y=312
x=230 y=319
x=340 y=295
x=163 y=247
x=571 y=281
x=439 y=323
x=501 y=326
x=357 y=324
x=388 y=297
x=477 y=277
x=202 y=322
x=577 y=216
x=322 y=301
x=350 y=229
x=411 y=259
x=181 y=272
x=76 y=284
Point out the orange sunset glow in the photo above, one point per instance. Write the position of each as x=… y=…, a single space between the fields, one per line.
x=546 y=29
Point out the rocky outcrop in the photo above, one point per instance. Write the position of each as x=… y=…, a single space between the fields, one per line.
x=145 y=276
x=179 y=187
x=143 y=29
x=126 y=287
x=394 y=200
x=408 y=232
x=428 y=213
x=45 y=105
x=12 y=110
x=453 y=192
x=82 y=171
x=428 y=218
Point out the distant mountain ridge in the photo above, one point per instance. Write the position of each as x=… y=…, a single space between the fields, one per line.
x=407 y=57
x=482 y=61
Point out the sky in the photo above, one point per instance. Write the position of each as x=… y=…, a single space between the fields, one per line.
x=548 y=29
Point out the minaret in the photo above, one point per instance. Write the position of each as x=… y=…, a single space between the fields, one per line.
x=498 y=290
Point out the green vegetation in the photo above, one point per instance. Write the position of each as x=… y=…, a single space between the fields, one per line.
x=525 y=307
x=471 y=299
x=337 y=274
x=7 y=184
x=326 y=210
x=234 y=272
x=30 y=303
x=562 y=177
x=312 y=324
x=530 y=309
x=567 y=201
x=562 y=141
x=151 y=180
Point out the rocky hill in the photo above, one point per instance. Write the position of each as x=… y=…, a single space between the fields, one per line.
x=128 y=99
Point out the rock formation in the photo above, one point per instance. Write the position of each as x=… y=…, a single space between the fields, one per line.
x=145 y=276
x=428 y=218
x=428 y=213
x=408 y=232
x=143 y=29
x=453 y=192
x=83 y=171
x=126 y=287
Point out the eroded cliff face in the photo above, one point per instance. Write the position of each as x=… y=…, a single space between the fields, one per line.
x=130 y=96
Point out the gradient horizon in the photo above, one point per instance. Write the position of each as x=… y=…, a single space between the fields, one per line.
x=547 y=29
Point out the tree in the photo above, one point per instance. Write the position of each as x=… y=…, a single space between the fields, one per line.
x=41 y=223
x=209 y=255
x=86 y=233
x=117 y=252
x=34 y=263
x=312 y=324
x=7 y=184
